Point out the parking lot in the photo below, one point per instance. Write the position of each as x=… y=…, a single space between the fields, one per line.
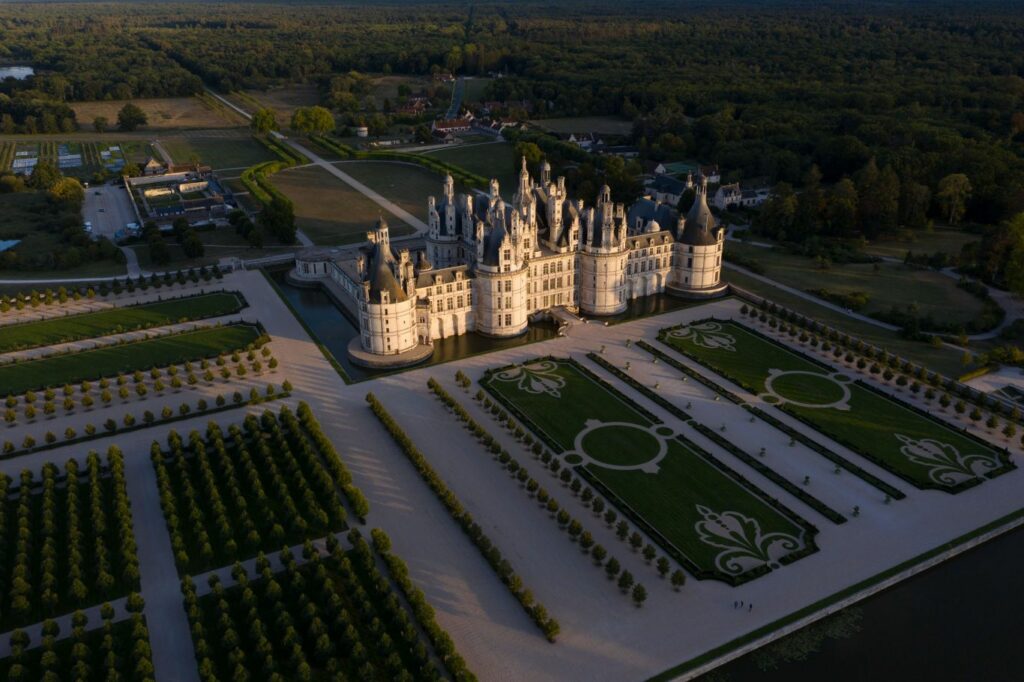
x=108 y=208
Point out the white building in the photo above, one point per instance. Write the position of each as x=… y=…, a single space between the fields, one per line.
x=733 y=196
x=490 y=267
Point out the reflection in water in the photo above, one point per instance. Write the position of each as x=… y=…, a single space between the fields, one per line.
x=334 y=330
x=957 y=621
x=16 y=72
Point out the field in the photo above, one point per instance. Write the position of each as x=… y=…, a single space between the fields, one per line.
x=330 y=212
x=491 y=160
x=94 y=155
x=944 y=360
x=230 y=151
x=605 y=125
x=201 y=111
x=919 y=449
x=476 y=89
x=940 y=239
x=892 y=285
x=116 y=320
x=282 y=100
x=407 y=185
x=664 y=481
x=71 y=368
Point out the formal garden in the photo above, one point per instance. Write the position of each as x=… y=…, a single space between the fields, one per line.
x=108 y=361
x=704 y=514
x=273 y=481
x=908 y=442
x=67 y=539
x=335 y=616
x=118 y=320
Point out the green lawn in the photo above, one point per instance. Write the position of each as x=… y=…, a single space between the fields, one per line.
x=405 y=184
x=557 y=399
x=217 y=152
x=329 y=211
x=919 y=449
x=72 y=368
x=491 y=160
x=945 y=240
x=116 y=320
x=944 y=360
x=890 y=285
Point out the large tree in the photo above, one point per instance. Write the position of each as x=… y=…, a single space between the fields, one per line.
x=130 y=117
x=313 y=120
x=953 y=192
x=263 y=121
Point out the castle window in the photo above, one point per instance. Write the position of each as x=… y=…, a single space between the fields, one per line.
x=448 y=288
x=450 y=303
x=545 y=285
x=691 y=249
x=508 y=302
x=559 y=282
x=508 y=254
x=508 y=320
x=689 y=262
x=545 y=270
x=508 y=285
x=460 y=301
x=559 y=266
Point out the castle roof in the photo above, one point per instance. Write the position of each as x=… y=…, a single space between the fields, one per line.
x=380 y=273
x=492 y=245
x=700 y=223
x=643 y=211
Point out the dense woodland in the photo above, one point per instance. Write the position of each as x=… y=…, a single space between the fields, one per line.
x=849 y=100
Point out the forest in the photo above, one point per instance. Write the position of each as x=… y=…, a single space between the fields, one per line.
x=925 y=89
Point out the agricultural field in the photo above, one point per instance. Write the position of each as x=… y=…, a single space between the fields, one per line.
x=920 y=449
x=887 y=285
x=489 y=159
x=229 y=151
x=117 y=320
x=71 y=368
x=330 y=212
x=684 y=498
x=68 y=546
x=604 y=125
x=264 y=485
x=200 y=111
x=78 y=158
x=407 y=185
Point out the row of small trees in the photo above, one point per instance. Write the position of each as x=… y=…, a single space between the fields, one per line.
x=548 y=625
x=114 y=651
x=360 y=505
x=130 y=421
x=333 y=617
x=262 y=485
x=575 y=529
x=66 y=546
x=141 y=382
x=881 y=364
x=61 y=295
x=442 y=642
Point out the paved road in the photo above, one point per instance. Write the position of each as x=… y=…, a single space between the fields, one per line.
x=109 y=209
x=457 y=91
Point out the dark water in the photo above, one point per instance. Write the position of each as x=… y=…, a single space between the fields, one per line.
x=959 y=621
x=334 y=330
x=655 y=304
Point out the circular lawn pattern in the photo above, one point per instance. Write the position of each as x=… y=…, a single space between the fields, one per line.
x=807 y=389
x=619 y=445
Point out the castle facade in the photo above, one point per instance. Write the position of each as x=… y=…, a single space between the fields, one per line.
x=489 y=266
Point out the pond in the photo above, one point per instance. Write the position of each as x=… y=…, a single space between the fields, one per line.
x=19 y=73
x=334 y=331
x=957 y=621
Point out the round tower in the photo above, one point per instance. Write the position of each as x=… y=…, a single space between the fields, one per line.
x=603 y=255
x=499 y=288
x=697 y=270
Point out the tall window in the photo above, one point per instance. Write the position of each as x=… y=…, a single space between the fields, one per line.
x=508 y=320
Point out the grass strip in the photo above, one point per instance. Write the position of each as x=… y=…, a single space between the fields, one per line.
x=118 y=320
x=108 y=361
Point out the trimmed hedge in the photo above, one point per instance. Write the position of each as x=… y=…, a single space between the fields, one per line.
x=502 y=567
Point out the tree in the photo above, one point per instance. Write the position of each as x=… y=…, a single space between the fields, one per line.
x=809 y=206
x=69 y=191
x=263 y=121
x=192 y=245
x=159 y=253
x=130 y=117
x=528 y=150
x=278 y=218
x=953 y=192
x=639 y=595
x=44 y=176
x=315 y=119
x=1013 y=271
x=100 y=124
